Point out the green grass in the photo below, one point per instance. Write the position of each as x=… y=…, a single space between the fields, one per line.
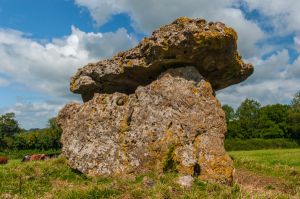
x=54 y=179
x=282 y=165
x=256 y=144
x=289 y=158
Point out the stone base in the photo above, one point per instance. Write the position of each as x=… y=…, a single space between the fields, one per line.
x=173 y=124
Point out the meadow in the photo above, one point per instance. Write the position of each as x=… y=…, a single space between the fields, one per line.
x=259 y=174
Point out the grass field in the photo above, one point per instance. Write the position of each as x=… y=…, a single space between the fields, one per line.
x=259 y=174
x=273 y=172
x=260 y=144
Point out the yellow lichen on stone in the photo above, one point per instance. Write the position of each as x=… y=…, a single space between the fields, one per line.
x=231 y=32
x=195 y=91
x=72 y=84
x=182 y=20
x=102 y=99
x=185 y=170
x=129 y=64
x=123 y=126
x=211 y=39
x=199 y=38
x=206 y=89
x=169 y=134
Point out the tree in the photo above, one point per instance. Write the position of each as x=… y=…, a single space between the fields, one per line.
x=296 y=100
x=55 y=133
x=234 y=130
x=229 y=113
x=273 y=121
x=8 y=127
x=247 y=114
x=248 y=109
x=294 y=117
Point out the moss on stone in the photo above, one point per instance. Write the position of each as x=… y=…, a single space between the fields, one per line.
x=170 y=165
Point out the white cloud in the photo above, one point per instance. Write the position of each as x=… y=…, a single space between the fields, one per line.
x=33 y=114
x=297 y=43
x=48 y=67
x=282 y=15
x=274 y=81
x=272 y=68
x=293 y=70
x=150 y=14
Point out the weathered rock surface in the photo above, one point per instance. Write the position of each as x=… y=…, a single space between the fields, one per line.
x=210 y=47
x=153 y=107
x=185 y=181
x=174 y=123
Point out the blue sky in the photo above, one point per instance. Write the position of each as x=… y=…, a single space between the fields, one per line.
x=44 y=42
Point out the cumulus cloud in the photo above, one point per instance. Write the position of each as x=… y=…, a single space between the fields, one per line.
x=48 y=67
x=274 y=81
x=293 y=70
x=273 y=67
x=150 y=14
x=297 y=43
x=34 y=114
x=283 y=16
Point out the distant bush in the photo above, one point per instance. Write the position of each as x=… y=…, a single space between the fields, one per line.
x=256 y=144
x=40 y=139
x=251 y=120
x=19 y=154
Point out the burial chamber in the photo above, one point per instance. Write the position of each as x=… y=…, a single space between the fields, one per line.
x=152 y=108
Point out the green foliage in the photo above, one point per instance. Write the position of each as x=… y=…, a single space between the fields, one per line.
x=257 y=144
x=170 y=165
x=8 y=127
x=268 y=122
x=248 y=109
x=43 y=139
x=229 y=113
x=296 y=100
x=273 y=121
x=247 y=114
x=294 y=117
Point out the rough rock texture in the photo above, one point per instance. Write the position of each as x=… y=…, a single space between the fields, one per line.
x=153 y=107
x=185 y=181
x=210 y=47
x=174 y=123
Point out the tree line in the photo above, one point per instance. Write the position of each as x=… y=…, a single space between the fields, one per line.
x=251 y=120
x=12 y=137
